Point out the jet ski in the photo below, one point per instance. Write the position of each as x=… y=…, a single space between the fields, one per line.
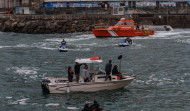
x=63 y=48
x=124 y=44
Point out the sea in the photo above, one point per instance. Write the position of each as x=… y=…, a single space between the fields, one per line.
x=160 y=63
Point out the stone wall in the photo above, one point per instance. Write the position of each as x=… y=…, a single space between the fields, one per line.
x=40 y=24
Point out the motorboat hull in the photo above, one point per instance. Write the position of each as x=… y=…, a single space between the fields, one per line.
x=62 y=50
x=124 y=44
x=88 y=86
x=100 y=33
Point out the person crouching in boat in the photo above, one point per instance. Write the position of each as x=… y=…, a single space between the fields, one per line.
x=86 y=74
x=128 y=40
x=116 y=72
x=70 y=74
x=63 y=43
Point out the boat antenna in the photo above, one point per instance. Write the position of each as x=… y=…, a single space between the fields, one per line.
x=119 y=58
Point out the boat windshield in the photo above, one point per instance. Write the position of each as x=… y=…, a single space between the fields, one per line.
x=100 y=70
x=119 y=23
x=129 y=23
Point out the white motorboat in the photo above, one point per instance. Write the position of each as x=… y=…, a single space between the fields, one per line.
x=97 y=82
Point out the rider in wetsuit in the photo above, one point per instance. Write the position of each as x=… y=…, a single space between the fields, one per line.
x=128 y=40
x=63 y=43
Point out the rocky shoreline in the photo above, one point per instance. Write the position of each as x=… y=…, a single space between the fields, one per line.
x=49 y=24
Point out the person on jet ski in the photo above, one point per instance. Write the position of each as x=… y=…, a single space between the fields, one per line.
x=63 y=43
x=128 y=40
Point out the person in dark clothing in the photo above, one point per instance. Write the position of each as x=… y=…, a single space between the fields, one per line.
x=116 y=72
x=137 y=26
x=95 y=106
x=108 y=70
x=70 y=74
x=128 y=40
x=86 y=107
x=63 y=43
x=77 y=71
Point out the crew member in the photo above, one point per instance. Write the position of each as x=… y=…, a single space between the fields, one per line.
x=116 y=72
x=128 y=40
x=70 y=74
x=137 y=26
x=108 y=70
x=77 y=71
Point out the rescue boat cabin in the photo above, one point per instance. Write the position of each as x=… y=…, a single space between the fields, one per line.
x=123 y=25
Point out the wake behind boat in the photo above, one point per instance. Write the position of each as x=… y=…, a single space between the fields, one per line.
x=97 y=80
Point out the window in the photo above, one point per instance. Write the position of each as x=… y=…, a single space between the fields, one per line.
x=119 y=23
x=129 y=23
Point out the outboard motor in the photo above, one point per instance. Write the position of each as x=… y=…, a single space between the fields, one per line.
x=44 y=85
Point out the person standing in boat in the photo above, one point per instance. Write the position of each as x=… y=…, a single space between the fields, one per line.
x=86 y=74
x=137 y=26
x=77 y=71
x=108 y=70
x=70 y=74
x=63 y=43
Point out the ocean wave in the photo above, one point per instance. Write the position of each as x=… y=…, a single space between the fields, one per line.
x=17 y=46
x=90 y=44
x=4 y=46
x=80 y=49
x=24 y=70
x=21 y=45
x=9 y=97
x=21 y=101
x=73 y=108
x=184 y=41
x=52 y=104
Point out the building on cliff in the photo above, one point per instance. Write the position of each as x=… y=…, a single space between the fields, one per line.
x=110 y=6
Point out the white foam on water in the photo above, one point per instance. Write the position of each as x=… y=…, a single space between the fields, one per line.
x=24 y=70
x=21 y=45
x=91 y=44
x=44 y=45
x=52 y=104
x=73 y=108
x=48 y=48
x=4 y=46
x=55 y=39
x=9 y=97
x=81 y=49
x=21 y=101
x=184 y=41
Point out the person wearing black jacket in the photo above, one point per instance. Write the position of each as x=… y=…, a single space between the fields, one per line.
x=116 y=72
x=108 y=70
x=77 y=71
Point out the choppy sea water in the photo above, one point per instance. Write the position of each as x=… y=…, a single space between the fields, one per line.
x=160 y=63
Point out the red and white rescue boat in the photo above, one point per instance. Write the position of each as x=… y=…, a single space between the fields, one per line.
x=124 y=28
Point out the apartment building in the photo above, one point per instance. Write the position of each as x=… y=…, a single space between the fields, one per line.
x=6 y=4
